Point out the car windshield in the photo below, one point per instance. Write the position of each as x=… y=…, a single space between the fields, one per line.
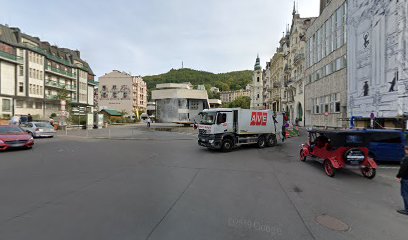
x=208 y=118
x=10 y=130
x=43 y=125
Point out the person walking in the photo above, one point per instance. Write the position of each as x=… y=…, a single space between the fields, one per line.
x=148 y=121
x=402 y=177
x=29 y=118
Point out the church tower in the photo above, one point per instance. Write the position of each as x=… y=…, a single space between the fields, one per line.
x=257 y=86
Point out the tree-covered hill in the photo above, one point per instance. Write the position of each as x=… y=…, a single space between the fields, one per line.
x=224 y=81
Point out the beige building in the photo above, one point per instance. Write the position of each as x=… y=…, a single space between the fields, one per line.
x=294 y=48
x=178 y=102
x=326 y=74
x=35 y=76
x=122 y=92
x=277 y=70
x=229 y=96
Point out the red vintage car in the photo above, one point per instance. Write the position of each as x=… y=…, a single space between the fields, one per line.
x=14 y=137
x=339 y=149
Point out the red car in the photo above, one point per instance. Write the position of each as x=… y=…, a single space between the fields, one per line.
x=339 y=149
x=14 y=137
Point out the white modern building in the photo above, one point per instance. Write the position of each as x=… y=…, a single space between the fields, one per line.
x=178 y=102
x=378 y=62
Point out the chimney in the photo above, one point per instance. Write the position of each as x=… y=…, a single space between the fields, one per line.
x=78 y=53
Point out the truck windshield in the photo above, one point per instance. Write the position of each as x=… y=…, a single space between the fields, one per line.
x=208 y=118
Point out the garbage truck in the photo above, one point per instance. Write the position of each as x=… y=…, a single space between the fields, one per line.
x=227 y=128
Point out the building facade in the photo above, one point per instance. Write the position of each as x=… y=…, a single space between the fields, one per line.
x=122 y=92
x=35 y=76
x=277 y=70
x=293 y=75
x=378 y=62
x=178 y=102
x=229 y=96
x=326 y=64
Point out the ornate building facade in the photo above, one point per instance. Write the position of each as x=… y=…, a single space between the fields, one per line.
x=377 y=62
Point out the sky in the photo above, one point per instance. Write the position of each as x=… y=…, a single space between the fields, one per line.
x=148 y=37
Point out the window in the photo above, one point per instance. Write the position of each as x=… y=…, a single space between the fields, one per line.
x=20 y=87
x=339 y=64
x=257 y=79
x=21 y=71
x=19 y=103
x=317 y=109
x=6 y=105
x=38 y=105
x=31 y=89
x=337 y=103
x=326 y=105
x=257 y=96
x=31 y=73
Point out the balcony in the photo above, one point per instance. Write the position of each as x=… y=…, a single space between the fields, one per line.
x=299 y=57
x=93 y=83
x=11 y=57
x=51 y=97
x=58 y=59
x=54 y=84
x=277 y=85
x=60 y=72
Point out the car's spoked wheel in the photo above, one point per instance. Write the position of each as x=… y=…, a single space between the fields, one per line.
x=328 y=168
x=302 y=155
x=368 y=172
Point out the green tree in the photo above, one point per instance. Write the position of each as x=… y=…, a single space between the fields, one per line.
x=241 y=102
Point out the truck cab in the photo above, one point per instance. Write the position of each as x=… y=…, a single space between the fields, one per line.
x=226 y=128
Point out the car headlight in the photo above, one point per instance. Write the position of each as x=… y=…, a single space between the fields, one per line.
x=31 y=139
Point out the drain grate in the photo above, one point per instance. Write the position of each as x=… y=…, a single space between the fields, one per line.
x=332 y=223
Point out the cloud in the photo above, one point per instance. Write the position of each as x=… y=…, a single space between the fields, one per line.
x=151 y=37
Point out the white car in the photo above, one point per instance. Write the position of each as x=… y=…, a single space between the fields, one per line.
x=38 y=129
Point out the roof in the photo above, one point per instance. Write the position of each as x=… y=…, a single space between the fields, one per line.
x=13 y=36
x=112 y=112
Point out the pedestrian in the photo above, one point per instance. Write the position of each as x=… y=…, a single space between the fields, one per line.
x=51 y=121
x=402 y=177
x=148 y=121
x=15 y=121
x=29 y=118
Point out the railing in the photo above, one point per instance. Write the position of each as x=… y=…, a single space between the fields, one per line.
x=51 y=83
x=93 y=83
x=11 y=57
x=59 y=71
x=57 y=59
x=51 y=97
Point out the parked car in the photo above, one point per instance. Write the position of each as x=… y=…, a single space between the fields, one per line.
x=339 y=149
x=386 y=145
x=14 y=137
x=39 y=129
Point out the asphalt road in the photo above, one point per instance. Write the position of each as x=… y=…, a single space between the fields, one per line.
x=162 y=185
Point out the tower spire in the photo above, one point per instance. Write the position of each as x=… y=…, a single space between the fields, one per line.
x=294 y=8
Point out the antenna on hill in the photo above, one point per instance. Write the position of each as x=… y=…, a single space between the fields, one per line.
x=182 y=64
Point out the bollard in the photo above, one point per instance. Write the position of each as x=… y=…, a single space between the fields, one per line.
x=109 y=132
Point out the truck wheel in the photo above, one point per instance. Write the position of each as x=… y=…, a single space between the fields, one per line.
x=328 y=168
x=227 y=145
x=261 y=142
x=271 y=140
